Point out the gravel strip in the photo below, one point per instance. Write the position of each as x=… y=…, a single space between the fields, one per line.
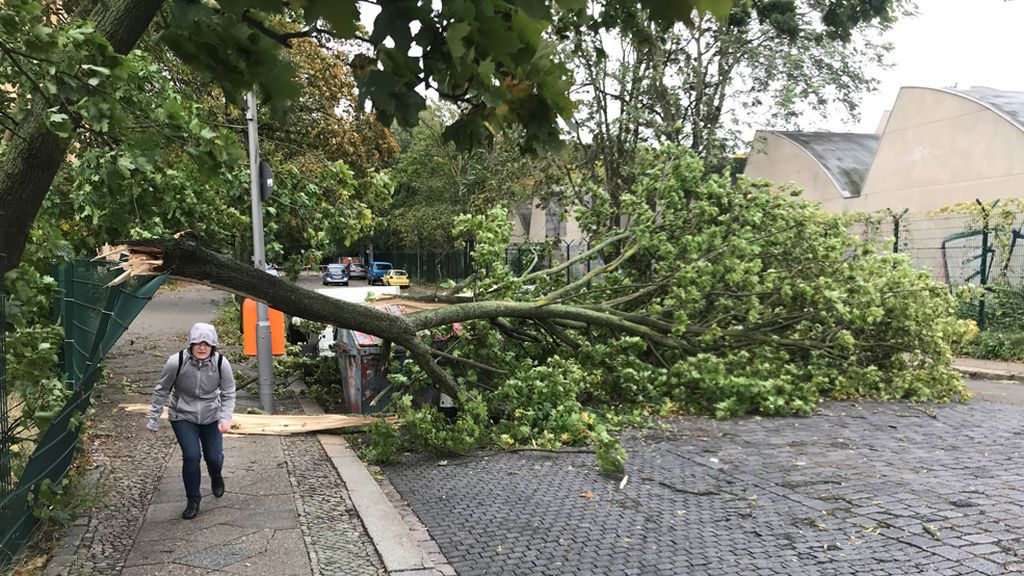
x=334 y=534
x=133 y=461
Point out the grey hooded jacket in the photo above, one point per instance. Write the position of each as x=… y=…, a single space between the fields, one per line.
x=202 y=391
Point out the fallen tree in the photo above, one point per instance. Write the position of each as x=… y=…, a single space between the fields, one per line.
x=719 y=297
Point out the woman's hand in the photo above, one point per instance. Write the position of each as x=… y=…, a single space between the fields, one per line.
x=224 y=427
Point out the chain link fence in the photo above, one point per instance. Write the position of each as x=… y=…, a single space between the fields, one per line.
x=983 y=249
x=428 y=266
x=93 y=315
x=536 y=256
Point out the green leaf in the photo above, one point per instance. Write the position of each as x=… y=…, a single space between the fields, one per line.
x=718 y=8
x=669 y=11
x=497 y=38
x=239 y=6
x=536 y=9
x=485 y=71
x=409 y=104
x=454 y=38
x=342 y=15
x=529 y=30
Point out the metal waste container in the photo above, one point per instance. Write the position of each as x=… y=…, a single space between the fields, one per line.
x=363 y=372
x=363 y=377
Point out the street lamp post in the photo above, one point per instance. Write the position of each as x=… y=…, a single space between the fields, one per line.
x=264 y=357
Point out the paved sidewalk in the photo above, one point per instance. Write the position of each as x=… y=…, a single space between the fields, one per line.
x=989 y=369
x=286 y=509
x=253 y=529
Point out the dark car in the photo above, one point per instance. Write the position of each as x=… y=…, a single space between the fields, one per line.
x=356 y=270
x=335 y=274
x=375 y=275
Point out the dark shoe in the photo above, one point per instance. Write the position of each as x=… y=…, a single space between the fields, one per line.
x=218 y=486
x=191 y=509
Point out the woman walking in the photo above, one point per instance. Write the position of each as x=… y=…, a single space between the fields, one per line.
x=202 y=390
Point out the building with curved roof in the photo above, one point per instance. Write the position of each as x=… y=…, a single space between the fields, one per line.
x=936 y=147
x=831 y=167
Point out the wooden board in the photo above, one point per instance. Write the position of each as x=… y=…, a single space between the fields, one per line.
x=279 y=424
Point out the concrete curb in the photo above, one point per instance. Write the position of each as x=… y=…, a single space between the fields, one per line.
x=988 y=374
x=989 y=369
x=399 y=548
x=63 y=557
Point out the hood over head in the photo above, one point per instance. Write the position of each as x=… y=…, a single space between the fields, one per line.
x=202 y=332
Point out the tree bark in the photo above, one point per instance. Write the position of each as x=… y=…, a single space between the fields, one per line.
x=30 y=164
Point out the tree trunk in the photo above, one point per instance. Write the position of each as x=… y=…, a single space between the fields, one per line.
x=35 y=154
x=185 y=257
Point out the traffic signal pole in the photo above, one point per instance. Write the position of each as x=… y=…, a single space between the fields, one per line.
x=264 y=357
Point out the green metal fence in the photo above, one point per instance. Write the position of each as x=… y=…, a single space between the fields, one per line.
x=94 y=316
x=428 y=266
x=980 y=249
x=536 y=256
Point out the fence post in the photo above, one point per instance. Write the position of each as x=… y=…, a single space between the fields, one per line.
x=984 y=260
x=896 y=220
x=568 y=256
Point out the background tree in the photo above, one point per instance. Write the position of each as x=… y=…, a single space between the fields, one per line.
x=435 y=182
x=648 y=82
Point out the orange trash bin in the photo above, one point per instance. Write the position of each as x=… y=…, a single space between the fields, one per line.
x=249 y=329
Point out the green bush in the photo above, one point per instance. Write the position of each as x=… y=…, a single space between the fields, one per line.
x=996 y=345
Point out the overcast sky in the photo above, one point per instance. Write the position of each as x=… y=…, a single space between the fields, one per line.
x=950 y=42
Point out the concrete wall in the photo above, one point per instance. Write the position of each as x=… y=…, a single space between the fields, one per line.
x=538 y=228
x=778 y=159
x=939 y=148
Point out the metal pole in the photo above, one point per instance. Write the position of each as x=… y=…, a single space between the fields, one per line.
x=264 y=357
x=983 y=276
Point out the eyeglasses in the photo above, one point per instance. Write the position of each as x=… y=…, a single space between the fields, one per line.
x=203 y=344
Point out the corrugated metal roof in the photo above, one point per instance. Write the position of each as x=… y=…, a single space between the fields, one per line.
x=845 y=157
x=1008 y=104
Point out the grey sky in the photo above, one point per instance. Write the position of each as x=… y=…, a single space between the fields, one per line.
x=950 y=42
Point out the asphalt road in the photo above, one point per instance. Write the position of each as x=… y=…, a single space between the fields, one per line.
x=1002 y=392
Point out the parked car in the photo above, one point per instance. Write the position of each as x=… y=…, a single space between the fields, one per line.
x=356 y=270
x=396 y=277
x=335 y=274
x=375 y=274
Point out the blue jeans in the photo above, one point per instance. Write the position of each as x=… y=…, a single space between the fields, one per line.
x=190 y=436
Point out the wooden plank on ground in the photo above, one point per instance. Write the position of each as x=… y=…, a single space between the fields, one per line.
x=279 y=424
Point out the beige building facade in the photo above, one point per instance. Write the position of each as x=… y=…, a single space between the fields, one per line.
x=935 y=148
x=535 y=222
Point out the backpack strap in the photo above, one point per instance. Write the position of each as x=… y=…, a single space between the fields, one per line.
x=181 y=360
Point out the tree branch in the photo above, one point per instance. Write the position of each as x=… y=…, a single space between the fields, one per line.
x=467 y=361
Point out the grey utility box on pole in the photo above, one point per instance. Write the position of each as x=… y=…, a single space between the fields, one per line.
x=264 y=357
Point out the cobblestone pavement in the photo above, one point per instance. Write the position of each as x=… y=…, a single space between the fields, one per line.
x=332 y=530
x=872 y=489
